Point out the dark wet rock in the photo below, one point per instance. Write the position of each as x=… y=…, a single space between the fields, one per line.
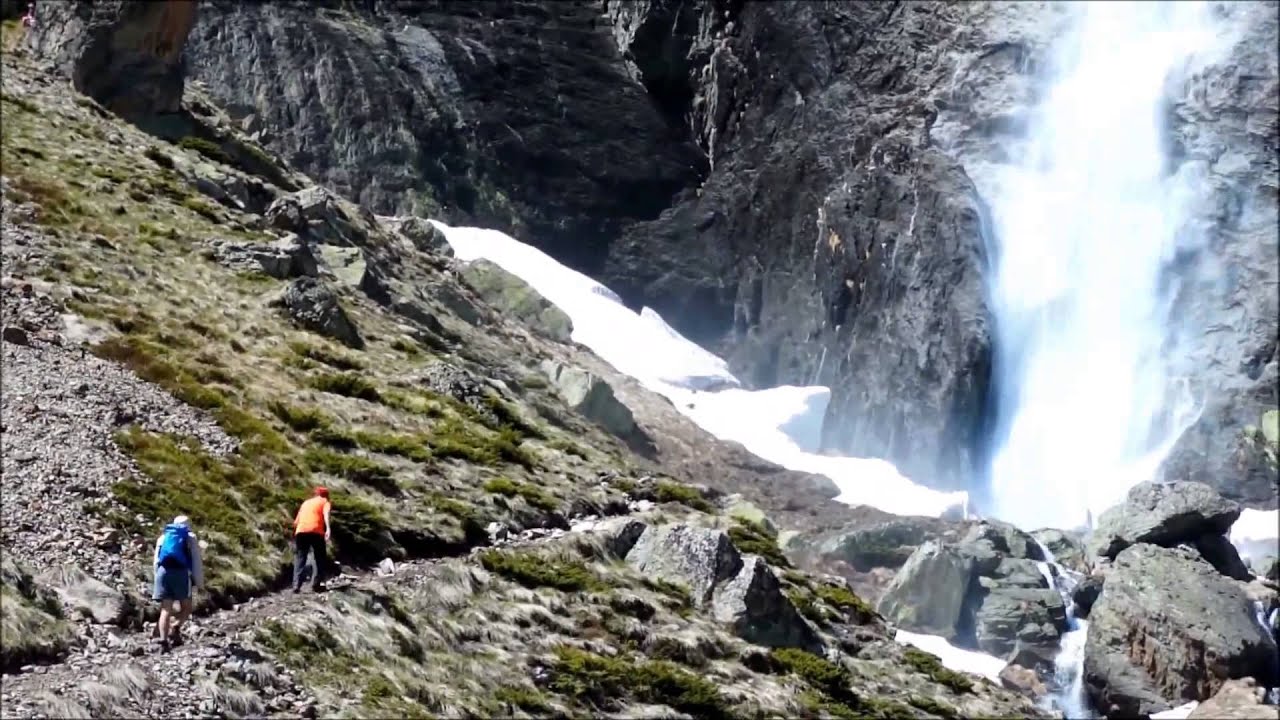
x=125 y=54
x=16 y=335
x=1218 y=551
x=313 y=304
x=1085 y=594
x=1162 y=514
x=1169 y=629
x=1035 y=617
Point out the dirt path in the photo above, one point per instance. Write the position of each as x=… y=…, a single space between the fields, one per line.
x=130 y=677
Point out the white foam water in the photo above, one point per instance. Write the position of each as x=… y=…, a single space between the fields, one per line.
x=1067 y=684
x=1084 y=223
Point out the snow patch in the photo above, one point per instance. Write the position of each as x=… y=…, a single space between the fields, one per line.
x=954 y=658
x=782 y=425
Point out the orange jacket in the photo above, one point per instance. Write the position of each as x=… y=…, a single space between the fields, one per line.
x=310 y=518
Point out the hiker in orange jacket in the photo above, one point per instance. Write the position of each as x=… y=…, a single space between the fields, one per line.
x=310 y=533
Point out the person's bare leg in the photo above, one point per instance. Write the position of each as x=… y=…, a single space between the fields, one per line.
x=162 y=625
x=184 y=612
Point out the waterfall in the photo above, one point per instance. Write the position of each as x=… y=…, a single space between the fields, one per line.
x=1085 y=221
x=1067 y=684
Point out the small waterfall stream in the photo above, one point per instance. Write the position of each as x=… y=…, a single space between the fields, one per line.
x=1066 y=687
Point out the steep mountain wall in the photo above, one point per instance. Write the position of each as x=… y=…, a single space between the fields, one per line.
x=788 y=183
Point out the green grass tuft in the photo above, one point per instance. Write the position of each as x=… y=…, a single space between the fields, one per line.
x=346 y=384
x=351 y=467
x=674 y=492
x=206 y=148
x=535 y=571
x=532 y=494
x=754 y=538
x=333 y=358
x=929 y=664
x=597 y=680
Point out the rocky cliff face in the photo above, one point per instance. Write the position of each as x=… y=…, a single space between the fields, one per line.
x=127 y=56
x=790 y=184
x=761 y=174
x=1223 y=130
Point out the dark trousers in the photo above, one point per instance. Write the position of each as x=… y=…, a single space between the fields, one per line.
x=303 y=544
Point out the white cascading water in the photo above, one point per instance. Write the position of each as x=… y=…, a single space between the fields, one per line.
x=1084 y=223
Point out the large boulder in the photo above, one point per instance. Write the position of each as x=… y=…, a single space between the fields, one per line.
x=989 y=542
x=759 y=612
x=1236 y=700
x=741 y=591
x=126 y=54
x=89 y=596
x=283 y=259
x=516 y=299
x=1162 y=514
x=1068 y=550
x=591 y=396
x=698 y=558
x=319 y=217
x=1019 y=617
x=928 y=593
x=1169 y=629
x=312 y=304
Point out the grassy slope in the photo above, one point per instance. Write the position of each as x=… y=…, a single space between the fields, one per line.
x=414 y=474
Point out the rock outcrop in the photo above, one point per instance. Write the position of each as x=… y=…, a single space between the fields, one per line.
x=591 y=396
x=1162 y=514
x=284 y=259
x=985 y=591
x=1169 y=629
x=1235 y=700
x=514 y=298
x=125 y=54
x=1223 y=130
x=928 y=593
x=313 y=304
x=741 y=591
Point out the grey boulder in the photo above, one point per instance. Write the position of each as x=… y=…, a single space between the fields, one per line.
x=928 y=593
x=740 y=591
x=515 y=298
x=1162 y=514
x=312 y=304
x=1169 y=629
x=590 y=396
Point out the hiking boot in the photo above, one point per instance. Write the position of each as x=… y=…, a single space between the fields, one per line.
x=164 y=647
x=176 y=640
x=297 y=590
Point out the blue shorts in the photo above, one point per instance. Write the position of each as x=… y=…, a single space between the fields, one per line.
x=172 y=584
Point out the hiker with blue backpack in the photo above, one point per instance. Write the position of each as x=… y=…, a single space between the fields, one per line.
x=178 y=567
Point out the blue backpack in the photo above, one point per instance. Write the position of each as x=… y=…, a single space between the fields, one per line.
x=173 y=548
